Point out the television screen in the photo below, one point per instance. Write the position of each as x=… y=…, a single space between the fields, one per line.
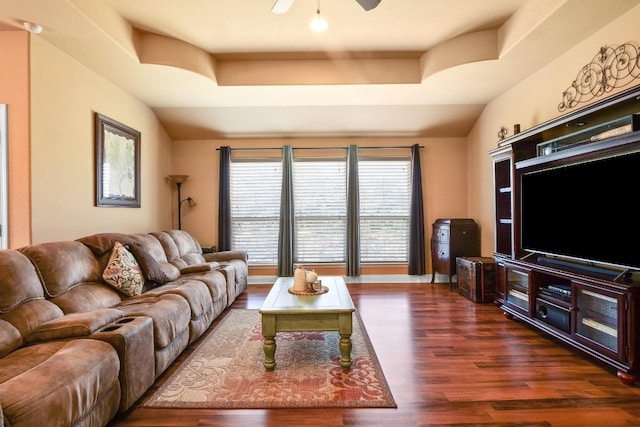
x=584 y=211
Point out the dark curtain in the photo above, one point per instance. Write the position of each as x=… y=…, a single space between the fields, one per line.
x=353 y=213
x=286 y=234
x=417 y=264
x=224 y=200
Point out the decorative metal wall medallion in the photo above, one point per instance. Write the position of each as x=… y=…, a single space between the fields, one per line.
x=609 y=69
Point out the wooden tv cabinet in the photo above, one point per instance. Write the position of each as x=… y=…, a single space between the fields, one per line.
x=593 y=308
x=587 y=310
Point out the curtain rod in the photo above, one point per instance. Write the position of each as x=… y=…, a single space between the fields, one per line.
x=324 y=148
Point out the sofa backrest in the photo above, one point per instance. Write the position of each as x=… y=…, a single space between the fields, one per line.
x=63 y=265
x=71 y=275
x=23 y=306
x=151 y=256
x=181 y=248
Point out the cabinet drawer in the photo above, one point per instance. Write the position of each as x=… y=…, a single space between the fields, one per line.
x=441 y=256
x=441 y=235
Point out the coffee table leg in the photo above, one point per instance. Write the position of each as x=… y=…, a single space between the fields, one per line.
x=345 y=351
x=269 y=353
x=269 y=334
x=345 y=327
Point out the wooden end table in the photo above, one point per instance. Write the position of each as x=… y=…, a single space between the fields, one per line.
x=283 y=311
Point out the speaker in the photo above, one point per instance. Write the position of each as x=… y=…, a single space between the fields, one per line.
x=554 y=315
x=368 y=4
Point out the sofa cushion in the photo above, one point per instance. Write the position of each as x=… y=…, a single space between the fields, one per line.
x=74 y=325
x=63 y=265
x=150 y=254
x=58 y=383
x=19 y=281
x=123 y=272
x=10 y=338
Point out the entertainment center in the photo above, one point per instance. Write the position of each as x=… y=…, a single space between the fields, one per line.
x=565 y=229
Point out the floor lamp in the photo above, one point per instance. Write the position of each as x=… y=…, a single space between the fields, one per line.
x=179 y=180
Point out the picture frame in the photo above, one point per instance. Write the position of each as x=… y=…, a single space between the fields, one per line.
x=117 y=156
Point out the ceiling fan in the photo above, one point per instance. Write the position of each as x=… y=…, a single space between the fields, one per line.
x=282 y=6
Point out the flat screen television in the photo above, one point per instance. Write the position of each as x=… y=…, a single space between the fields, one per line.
x=584 y=211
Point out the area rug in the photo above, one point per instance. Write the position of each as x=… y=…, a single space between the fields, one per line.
x=226 y=371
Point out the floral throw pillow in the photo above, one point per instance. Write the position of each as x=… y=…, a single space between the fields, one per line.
x=123 y=271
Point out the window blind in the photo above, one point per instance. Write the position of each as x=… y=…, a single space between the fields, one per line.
x=320 y=209
x=385 y=191
x=320 y=188
x=255 y=208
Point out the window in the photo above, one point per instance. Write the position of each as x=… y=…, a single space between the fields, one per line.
x=320 y=209
x=385 y=192
x=255 y=208
x=320 y=206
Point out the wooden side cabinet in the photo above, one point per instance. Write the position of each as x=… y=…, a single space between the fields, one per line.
x=450 y=239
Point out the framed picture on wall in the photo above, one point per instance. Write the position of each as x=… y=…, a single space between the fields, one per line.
x=117 y=153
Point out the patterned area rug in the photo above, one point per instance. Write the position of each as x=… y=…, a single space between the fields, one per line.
x=226 y=371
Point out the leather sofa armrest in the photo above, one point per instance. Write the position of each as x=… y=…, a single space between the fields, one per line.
x=74 y=325
x=198 y=268
x=226 y=256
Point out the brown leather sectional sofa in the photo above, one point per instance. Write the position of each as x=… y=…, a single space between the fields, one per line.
x=76 y=350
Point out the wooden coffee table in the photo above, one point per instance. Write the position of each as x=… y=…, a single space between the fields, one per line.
x=283 y=311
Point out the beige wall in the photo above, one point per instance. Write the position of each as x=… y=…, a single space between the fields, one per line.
x=533 y=101
x=457 y=173
x=64 y=97
x=14 y=91
x=443 y=163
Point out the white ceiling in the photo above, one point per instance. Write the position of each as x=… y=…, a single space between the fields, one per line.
x=233 y=69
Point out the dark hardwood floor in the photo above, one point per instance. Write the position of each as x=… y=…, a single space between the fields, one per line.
x=449 y=362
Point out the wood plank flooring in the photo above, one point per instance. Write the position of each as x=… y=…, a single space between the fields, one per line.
x=449 y=362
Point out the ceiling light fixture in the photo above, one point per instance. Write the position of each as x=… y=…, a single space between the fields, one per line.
x=32 y=28
x=318 y=23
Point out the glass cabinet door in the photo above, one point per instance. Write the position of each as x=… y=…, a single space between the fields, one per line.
x=518 y=288
x=598 y=319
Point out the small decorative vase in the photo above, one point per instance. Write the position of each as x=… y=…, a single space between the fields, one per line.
x=300 y=279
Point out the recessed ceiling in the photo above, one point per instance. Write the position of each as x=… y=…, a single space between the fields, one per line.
x=233 y=69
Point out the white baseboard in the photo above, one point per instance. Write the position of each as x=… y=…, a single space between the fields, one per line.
x=367 y=278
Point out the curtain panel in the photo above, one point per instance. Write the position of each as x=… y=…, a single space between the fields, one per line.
x=287 y=228
x=224 y=200
x=417 y=263
x=353 y=213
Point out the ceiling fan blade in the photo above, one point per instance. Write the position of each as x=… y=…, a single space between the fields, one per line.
x=281 y=6
x=368 y=4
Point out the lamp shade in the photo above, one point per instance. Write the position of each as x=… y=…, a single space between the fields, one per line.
x=178 y=179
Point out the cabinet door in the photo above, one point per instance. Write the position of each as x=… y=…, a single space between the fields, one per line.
x=464 y=241
x=517 y=289
x=600 y=320
x=501 y=281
